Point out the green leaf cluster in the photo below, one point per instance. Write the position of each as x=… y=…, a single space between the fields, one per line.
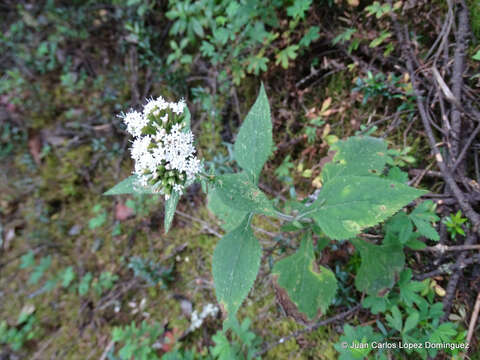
x=355 y=195
x=137 y=342
x=16 y=336
x=409 y=313
x=238 y=35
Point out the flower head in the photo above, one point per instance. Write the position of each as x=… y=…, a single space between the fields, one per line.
x=162 y=148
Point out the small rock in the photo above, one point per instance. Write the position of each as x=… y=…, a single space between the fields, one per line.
x=75 y=230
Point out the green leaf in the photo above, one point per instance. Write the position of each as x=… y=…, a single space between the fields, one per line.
x=344 y=36
x=380 y=264
x=170 y=207
x=395 y=320
x=27 y=260
x=411 y=322
x=84 y=284
x=423 y=216
x=443 y=333
x=415 y=244
x=222 y=349
x=299 y=8
x=380 y=39
x=129 y=186
x=230 y=216
x=358 y=155
x=67 y=276
x=236 y=261
x=476 y=56
x=40 y=269
x=399 y=229
x=237 y=191
x=254 y=141
x=397 y=175
x=308 y=289
x=376 y=304
x=187 y=120
x=312 y=35
x=356 y=335
x=409 y=289
x=284 y=55
x=348 y=204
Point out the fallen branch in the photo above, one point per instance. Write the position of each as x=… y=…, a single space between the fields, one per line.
x=444 y=248
x=448 y=268
x=473 y=319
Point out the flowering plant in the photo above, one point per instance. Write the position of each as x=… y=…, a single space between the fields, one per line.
x=165 y=162
x=163 y=148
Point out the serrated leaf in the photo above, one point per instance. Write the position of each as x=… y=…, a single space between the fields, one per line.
x=377 y=304
x=423 y=216
x=443 y=333
x=254 y=141
x=236 y=261
x=411 y=322
x=380 y=264
x=239 y=192
x=356 y=335
x=399 y=229
x=170 y=207
x=222 y=349
x=395 y=319
x=358 y=155
x=396 y=174
x=415 y=244
x=409 y=289
x=348 y=204
x=308 y=289
x=230 y=216
x=129 y=186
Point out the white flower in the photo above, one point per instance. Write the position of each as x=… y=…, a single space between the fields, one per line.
x=177 y=108
x=178 y=188
x=154 y=106
x=166 y=158
x=135 y=122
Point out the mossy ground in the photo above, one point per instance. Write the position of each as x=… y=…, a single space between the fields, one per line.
x=52 y=217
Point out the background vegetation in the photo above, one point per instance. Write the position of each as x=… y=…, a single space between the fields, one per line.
x=84 y=276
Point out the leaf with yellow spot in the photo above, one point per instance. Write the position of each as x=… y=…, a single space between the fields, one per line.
x=348 y=204
x=309 y=290
x=358 y=155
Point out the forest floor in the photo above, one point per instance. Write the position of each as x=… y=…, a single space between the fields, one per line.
x=76 y=265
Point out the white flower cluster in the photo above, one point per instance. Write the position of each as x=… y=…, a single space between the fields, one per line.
x=197 y=320
x=163 y=148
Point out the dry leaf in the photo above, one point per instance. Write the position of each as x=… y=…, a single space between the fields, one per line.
x=35 y=147
x=123 y=212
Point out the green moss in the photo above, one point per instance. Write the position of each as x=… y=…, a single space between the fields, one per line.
x=62 y=172
x=474 y=6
